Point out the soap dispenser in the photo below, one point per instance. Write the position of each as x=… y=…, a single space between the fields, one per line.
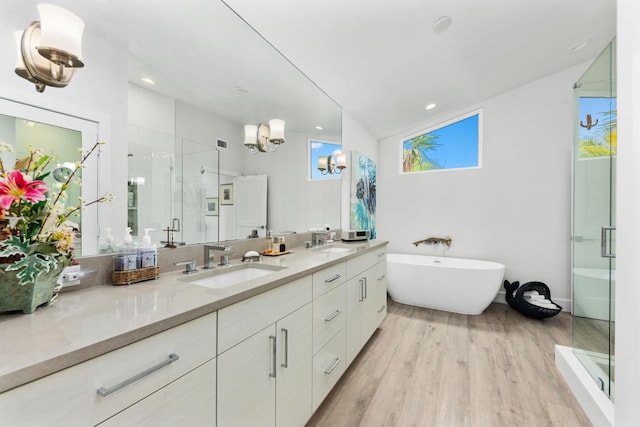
x=147 y=251
x=127 y=258
x=107 y=246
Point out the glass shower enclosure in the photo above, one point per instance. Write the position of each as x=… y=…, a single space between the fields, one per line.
x=593 y=236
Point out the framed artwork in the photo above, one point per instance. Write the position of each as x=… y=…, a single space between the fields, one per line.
x=211 y=206
x=226 y=194
x=363 y=194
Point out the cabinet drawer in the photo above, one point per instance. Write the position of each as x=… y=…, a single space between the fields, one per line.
x=70 y=397
x=328 y=316
x=359 y=264
x=378 y=279
x=329 y=278
x=243 y=319
x=328 y=367
x=189 y=401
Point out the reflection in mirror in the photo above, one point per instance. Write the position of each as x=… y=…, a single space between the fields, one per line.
x=64 y=138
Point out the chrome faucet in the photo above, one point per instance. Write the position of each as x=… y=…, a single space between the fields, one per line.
x=318 y=237
x=435 y=241
x=209 y=255
x=189 y=266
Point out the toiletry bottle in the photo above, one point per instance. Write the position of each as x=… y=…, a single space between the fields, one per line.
x=147 y=251
x=107 y=246
x=128 y=252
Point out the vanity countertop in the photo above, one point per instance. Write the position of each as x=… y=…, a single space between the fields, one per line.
x=86 y=323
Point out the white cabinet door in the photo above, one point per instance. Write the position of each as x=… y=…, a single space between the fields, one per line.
x=366 y=307
x=247 y=383
x=294 y=368
x=188 y=401
x=355 y=298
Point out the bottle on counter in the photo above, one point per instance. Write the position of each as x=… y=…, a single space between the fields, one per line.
x=108 y=246
x=127 y=257
x=147 y=251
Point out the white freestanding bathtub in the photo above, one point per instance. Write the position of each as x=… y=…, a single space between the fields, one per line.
x=458 y=285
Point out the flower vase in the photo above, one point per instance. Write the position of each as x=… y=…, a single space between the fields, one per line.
x=27 y=297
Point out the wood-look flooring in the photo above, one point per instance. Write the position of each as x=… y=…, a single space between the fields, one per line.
x=428 y=368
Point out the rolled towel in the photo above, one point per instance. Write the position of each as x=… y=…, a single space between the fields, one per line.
x=544 y=304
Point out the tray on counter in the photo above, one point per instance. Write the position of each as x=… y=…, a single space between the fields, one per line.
x=276 y=254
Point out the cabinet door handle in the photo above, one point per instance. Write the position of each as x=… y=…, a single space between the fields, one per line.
x=104 y=392
x=337 y=361
x=382 y=308
x=361 y=296
x=365 y=287
x=285 y=334
x=382 y=277
x=333 y=278
x=333 y=316
x=272 y=338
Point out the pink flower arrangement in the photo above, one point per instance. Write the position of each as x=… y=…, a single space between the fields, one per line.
x=36 y=234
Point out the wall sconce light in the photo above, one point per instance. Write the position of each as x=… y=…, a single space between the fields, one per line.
x=264 y=137
x=50 y=50
x=332 y=164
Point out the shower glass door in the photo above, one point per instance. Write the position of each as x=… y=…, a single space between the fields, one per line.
x=593 y=249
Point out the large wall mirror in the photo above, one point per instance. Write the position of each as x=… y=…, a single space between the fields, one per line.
x=64 y=138
x=213 y=75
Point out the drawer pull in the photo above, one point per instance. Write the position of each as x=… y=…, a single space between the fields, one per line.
x=285 y=334
x=382 y=277
x=382 y=308
x=272 y=374
x=333 y=316
x=381 y=254
x=104 y=392
x=333 y=278
x=336 y=363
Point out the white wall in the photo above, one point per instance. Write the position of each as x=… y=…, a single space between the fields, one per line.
x=354 y=138
x=516 y=208
x=98 y=92
x=627 y=348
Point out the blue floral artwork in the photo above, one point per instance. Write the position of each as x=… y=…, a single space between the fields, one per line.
x=363 y=194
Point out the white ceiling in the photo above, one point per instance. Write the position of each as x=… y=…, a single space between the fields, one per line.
x=379 y=59
x=382 y=62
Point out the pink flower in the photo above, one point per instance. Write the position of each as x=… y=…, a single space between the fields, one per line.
x=16 y=186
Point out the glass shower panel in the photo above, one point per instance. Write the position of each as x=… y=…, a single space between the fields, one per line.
x=594 y=170
x=197 y=200
x=151 y=165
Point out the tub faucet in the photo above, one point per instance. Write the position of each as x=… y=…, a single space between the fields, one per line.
x=434 y=241
x=209 y=254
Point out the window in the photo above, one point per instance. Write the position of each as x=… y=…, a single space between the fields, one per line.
x=321 y=148
x=597 y=131
x=454 y=145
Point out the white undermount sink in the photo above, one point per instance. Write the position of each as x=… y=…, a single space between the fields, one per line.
x=224 y=277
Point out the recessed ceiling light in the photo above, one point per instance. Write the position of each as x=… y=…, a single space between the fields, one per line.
x=579 y=46
x=430 y=106
x=441 y=24
x=148 y=80
x=319 y=127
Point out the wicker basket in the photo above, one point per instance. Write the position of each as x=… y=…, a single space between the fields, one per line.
x=133 y=276
x=519 y=302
